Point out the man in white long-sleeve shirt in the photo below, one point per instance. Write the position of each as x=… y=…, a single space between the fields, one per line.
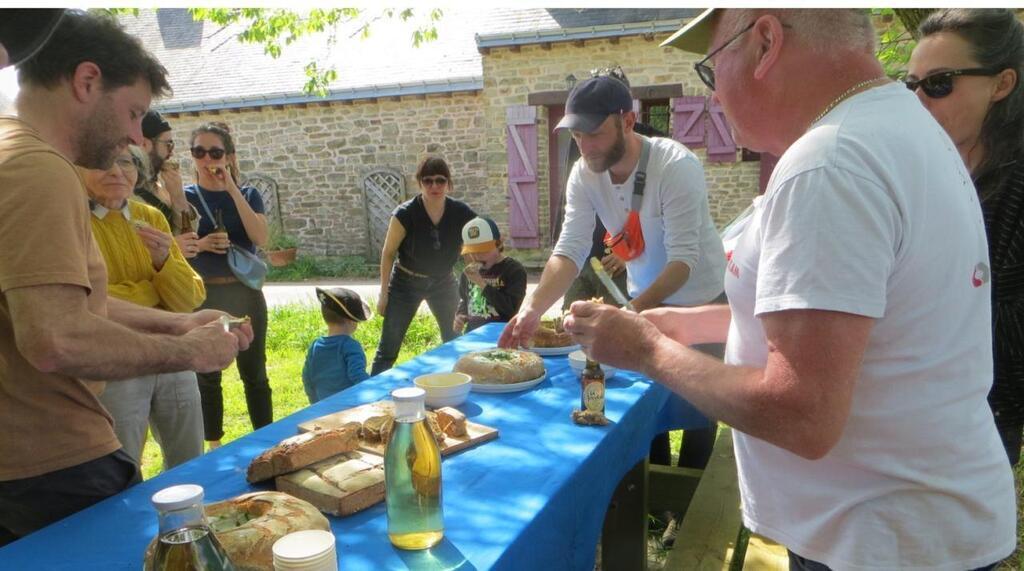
x=682 y=262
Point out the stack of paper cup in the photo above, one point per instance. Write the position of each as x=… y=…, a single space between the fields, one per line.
x=309 y=550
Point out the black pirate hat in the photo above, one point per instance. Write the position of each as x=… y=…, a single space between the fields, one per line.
x=344 y=302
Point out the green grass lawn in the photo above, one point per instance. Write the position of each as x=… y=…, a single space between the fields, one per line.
x=293 y=328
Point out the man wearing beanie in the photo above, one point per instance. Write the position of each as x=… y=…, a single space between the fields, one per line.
x=164 y=190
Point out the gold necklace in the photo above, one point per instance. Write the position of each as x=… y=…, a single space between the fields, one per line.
x=844 y=95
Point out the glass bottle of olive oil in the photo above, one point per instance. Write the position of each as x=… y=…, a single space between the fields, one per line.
x=412 y=475
x=186 y=542
x=592 y=385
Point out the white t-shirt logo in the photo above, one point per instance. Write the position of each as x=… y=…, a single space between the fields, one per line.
x=981 y=275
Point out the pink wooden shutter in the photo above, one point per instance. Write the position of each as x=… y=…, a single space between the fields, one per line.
x=688 y=121
x=721 y=147
x=522 y=176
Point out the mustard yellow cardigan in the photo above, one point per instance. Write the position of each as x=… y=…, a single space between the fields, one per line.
x=130 y=272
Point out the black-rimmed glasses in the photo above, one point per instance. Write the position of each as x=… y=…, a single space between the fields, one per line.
x=436 y=236
x=940 y=84
x=706 y=72
x=168 y=143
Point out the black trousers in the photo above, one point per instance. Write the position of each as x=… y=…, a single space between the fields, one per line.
x=405 y=293
x=32 y=503
x=1011 y=432
x=239 y=300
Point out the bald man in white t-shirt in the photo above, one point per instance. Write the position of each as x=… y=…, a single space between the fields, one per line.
x=859 y=350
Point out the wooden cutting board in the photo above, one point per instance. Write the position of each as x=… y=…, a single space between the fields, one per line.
x=475 y=433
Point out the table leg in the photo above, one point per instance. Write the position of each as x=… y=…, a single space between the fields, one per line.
x=624 y=535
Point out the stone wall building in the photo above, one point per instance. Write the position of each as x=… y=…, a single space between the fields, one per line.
x=341 y=161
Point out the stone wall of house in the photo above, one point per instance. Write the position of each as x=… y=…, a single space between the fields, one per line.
x=319 y=155
x=510 y=75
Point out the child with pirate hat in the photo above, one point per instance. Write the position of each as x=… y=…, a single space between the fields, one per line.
x=336 y=361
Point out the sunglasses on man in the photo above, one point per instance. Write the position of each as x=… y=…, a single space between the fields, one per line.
x=201 y=152
x=940 y=84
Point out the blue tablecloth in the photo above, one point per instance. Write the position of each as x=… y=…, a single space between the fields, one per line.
x=534 y=498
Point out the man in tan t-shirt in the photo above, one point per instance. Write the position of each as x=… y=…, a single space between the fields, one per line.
x=58 y=454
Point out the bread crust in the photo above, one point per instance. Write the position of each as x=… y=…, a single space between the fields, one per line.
x=302 y=450
x=500 y=366
x=340 y=485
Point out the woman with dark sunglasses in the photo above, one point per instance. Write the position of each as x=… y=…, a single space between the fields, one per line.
x=423 y=243
x=229 y=215
x=966 y=69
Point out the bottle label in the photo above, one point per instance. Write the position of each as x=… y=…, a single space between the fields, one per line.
x=593 y=395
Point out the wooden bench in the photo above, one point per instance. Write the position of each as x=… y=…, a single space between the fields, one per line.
x=712 y=535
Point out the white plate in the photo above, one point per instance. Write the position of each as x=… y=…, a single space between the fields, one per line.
x=508 y=388
x=552 y=351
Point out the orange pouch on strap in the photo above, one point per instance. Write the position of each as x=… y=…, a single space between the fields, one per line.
x=629 y=243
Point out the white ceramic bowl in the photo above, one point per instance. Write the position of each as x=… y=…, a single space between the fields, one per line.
x=444 y=389
x=578 y=361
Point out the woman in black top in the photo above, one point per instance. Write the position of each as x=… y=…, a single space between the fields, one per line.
x=216 y=195
x=426 y=235
x=966 y=70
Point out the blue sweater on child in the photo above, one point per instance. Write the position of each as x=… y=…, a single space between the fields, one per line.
x=333 y=364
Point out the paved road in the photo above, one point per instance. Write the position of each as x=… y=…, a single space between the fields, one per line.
x=285 y=293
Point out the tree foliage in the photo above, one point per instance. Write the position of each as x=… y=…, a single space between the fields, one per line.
x=897 y=41
x=277 y=28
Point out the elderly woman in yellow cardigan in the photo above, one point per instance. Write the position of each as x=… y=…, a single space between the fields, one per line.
x=146 y=267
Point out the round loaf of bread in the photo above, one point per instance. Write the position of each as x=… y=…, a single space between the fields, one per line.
x=550 y=334
x=247 y=526
x=501 y=366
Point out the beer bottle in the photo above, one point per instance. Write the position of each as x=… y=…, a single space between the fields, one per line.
x=592 y=384
x=186 y=222
x=220 y=228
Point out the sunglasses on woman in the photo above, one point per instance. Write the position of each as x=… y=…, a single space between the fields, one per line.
x=201 y=152
x=434 y=181
x=939 y=85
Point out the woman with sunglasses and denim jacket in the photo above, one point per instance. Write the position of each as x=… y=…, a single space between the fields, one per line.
x=425 y=235
x=966 y=69
x=241 y=209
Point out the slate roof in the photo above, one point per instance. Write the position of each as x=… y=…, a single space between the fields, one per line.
x=210 y=69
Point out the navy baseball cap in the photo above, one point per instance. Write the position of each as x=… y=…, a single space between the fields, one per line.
x=592 y=101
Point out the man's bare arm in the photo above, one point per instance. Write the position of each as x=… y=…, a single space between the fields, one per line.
x=559 y=273
x=672 y=277
x=799 y=401
x=55 y=331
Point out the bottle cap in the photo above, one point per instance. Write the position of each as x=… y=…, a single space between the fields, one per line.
x=178 y=497
x=408 y=402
